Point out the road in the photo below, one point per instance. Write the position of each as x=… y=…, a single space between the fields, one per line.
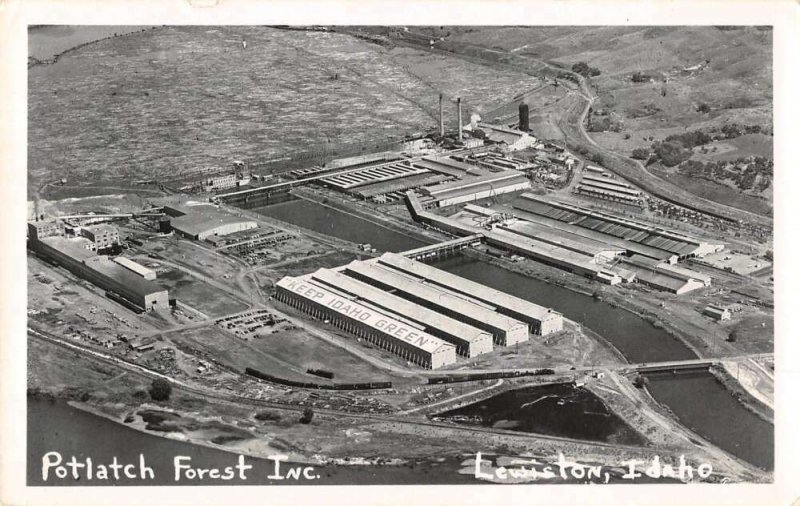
x=571 y=123
x=227 y=397
x=451 y=400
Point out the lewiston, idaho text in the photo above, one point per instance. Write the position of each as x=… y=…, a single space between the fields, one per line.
x=55 y=467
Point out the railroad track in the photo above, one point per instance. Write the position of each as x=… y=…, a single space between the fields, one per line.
x=237 y=400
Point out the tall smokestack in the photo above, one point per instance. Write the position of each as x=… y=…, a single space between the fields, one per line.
x=441 y=115
x=460 y=131
x=524 y=117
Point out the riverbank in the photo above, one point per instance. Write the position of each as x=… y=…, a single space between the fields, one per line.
x=202 y=436
x=47 y=44
x=741 y=393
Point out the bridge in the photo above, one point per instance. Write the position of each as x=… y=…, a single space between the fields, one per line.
x=149 y=212
x=694 y=363
x=443 y=247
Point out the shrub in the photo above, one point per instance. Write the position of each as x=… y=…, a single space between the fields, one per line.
x=268 y=416
x=671 y=153
x=585 y=70
x=160 y=389
x=308 y=415
x=641 y=153
x=640 y=381
x=703 y=108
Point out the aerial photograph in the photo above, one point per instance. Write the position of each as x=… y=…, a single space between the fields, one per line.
x=402 y=255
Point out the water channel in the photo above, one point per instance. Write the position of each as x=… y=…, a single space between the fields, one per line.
x=698 y=399
x=743 y=434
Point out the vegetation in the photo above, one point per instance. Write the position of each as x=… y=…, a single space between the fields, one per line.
x=585 y=70
x=597 y=158
x=732 y=337
x=160 y=389
x=671 y=153
x=308 y=415
x=690 y=139
x=641 y=77
x=268 y=416
x=733 y=130
x=641 y=154
x=640 y=381
x=704 y=108
x=751 y=173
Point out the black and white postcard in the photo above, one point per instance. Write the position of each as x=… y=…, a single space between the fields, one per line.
x=341 y=248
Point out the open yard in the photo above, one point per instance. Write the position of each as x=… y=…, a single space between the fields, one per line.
x=199 y=295
x=287 y=354
x=156 y=103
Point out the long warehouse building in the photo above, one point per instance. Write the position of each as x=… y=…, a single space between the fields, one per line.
x=506 y=331
x=408 y=342
x=469 y=341
x=541 y=320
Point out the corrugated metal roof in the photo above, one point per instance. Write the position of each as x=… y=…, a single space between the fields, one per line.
x=319 y=294
x=407 y=309
x=434 y=296
x=464 y=286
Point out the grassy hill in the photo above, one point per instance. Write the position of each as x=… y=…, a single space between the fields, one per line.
x=714 y=76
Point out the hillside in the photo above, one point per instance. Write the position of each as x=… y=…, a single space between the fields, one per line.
x=715 y=76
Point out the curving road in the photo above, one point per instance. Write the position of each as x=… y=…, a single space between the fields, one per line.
x=571 y=124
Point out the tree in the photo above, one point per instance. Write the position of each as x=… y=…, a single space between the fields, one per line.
x=768 y=255
x=597 y=158
x=671 y=153
x=732 y=336
x=308 y=414
x=585 y=70
x=703 y=108
x=640 y=381
x=641 y=153
x=160 y=389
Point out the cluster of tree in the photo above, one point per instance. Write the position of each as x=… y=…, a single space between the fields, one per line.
x=308 y=415
x=597 y=158
x=703 y=108
x=647 y=109
x=268 y=416
x=690 y=139
x=585 y=70
x=641 y=77
x=669 y=153
x=568 y=76
x=676 y=148
x=733 y=130
x=743 y=171
x=160 y=389
x=640 y=154
x=604 y=124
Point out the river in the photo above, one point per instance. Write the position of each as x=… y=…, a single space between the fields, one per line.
x=743 y=434
x=333 y=222
x=698 y=399
x=54 y=426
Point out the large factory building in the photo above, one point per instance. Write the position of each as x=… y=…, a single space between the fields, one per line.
x=541 y=320
x=469 y=341
x=407 y=341
x=120 y=283
x=202 y=221
x=506 y=331
x=476 y=188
